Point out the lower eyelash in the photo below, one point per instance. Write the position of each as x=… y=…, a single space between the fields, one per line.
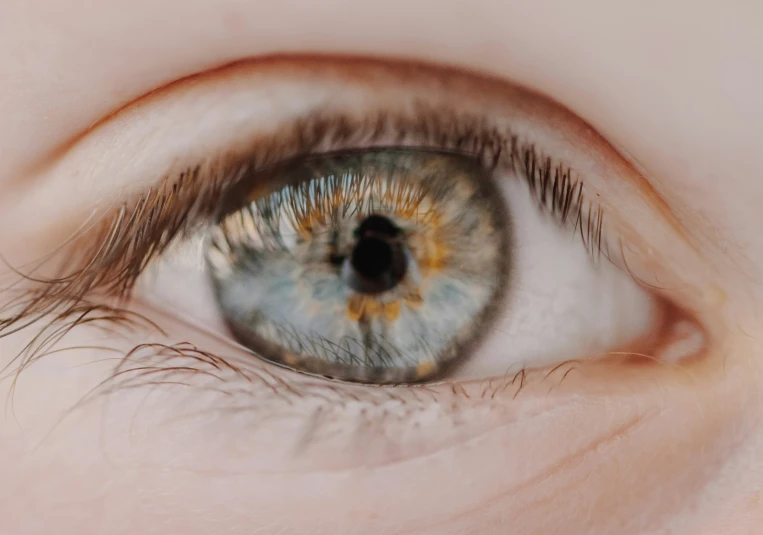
x=212 y=386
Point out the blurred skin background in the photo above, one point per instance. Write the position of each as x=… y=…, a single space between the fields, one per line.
x=655 y=104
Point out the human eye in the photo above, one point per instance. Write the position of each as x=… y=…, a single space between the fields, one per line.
x=343 y=265
x=386 y=265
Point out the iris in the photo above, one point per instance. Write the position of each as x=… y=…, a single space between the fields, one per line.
x=380 y=266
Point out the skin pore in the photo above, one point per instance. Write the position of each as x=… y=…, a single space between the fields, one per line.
x=657 y=449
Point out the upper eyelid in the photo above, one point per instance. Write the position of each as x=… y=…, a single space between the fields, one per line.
x=519 y=117
x=199 y=94
x=525 y=112
x=139 y=143
x=200 y=188
x=113 y=251
x=120 y=139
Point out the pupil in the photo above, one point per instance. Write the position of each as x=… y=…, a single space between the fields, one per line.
x=377 y=262
x=371 y=257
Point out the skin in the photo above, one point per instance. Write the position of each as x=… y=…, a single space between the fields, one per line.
x=674 y=87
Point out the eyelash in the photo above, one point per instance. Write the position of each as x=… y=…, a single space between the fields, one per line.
x=115 y=252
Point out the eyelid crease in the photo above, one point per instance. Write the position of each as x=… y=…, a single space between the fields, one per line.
x=401 y=66
x=48 y=160
x=656 y=200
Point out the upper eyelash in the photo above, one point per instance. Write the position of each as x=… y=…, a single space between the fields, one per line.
x=110 y=257
x=558 y=192
x=143 y=228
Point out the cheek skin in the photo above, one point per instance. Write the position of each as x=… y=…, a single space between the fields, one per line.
x=641 y=457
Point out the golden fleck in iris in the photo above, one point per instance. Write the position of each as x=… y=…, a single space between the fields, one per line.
x=425 y=368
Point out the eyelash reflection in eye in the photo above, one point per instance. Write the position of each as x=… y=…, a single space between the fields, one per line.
x=111 y=261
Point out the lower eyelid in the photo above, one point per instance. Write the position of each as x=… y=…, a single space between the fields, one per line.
x=314 y=424
x=301 y=425
x=319 y=427
x=185 y=421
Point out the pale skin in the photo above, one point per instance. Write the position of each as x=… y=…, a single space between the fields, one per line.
x=674 y=87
